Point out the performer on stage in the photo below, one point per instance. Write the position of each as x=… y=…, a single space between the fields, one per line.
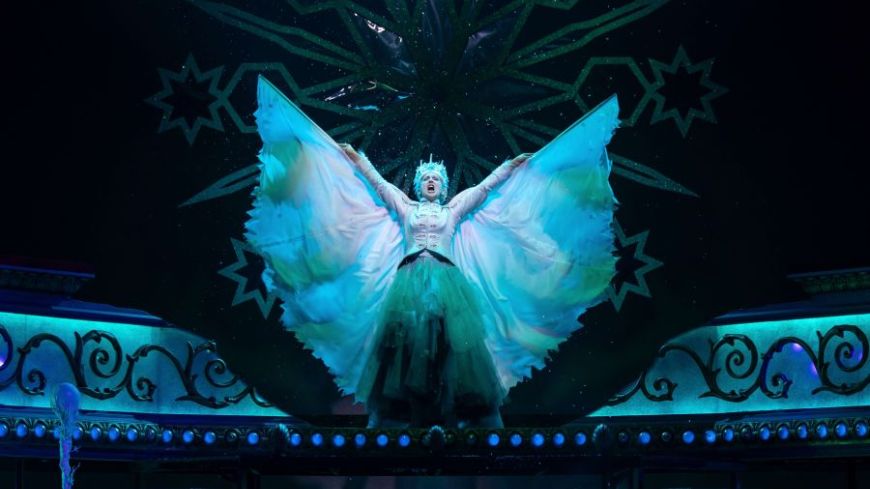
x=430 y=310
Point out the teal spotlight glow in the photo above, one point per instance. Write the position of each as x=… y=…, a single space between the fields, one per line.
x=166 y=436
x=382 y=440
x=404 y=440
x=861 y=429
x=516 y=440
x=493 y=439
x=580 y=439
x=688 y=437
x=782 y=432
x=39 y=430
x=132 y=435
x=728 y=435
x=254 y=438
x=359 y=440
x=338 y=440
x=710 y=437
x=96 y=433
x=802 y=431
x=841 y=430
x=644 y=437
x=764 y=433
x=822 y=431
x=558 y=439
x=295 y=439
x=538 y=440
x=21 y=430
x=114 y=433
x=209 y=437
x=187 y=437
x=317 y=439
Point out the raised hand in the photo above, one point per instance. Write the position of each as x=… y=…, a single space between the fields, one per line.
x=520 y=159
x=350 y=152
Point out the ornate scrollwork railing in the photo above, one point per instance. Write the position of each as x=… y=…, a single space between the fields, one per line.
x=108 y=361
x=743 y=362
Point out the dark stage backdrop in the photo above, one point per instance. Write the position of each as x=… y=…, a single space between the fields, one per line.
x=128 y=145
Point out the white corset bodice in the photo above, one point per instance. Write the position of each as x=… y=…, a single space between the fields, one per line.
x=429 y=226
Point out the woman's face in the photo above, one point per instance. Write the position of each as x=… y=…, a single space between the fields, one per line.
x=431 y=185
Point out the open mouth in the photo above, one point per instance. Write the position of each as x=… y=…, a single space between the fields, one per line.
x=431 y=188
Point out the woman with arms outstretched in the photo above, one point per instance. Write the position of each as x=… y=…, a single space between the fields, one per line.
x=429 y=311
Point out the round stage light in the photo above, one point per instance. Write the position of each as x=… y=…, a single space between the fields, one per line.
x=538 y=440
x=802 y=431
x=841 y=429
x=382 y=440
x=822 y=431
x=782 y=432
x=580 y=439
x=187 y=436
x=861 y=429
x=114 y=433
x=728 y=435
x=39 y=430
x=558 y=439
x=404 y=440
x=132 y=434
x=764 y=433
x=359 y=440
x=493 y=439
x=338 y=440
x=710 y=437
x=295 y=439
x=21 y=430
x=688 y=437
x=167 y=436
x=644 y=437
x=4 y=430
x=96 y=433
x=209 y=437
x=516 y=440
x=77 y=433
x=317 y=439
x=254 y=438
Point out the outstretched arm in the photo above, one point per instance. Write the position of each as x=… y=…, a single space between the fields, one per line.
x=470 y=198
x=394 y=198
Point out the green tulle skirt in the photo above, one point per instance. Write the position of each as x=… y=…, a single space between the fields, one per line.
x=430 y=353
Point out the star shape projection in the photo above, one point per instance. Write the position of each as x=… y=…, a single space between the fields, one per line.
x=190 y=99
x=243 y=272
x=679 y=78
x=631 y=269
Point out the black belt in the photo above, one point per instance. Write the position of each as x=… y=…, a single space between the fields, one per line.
x=413 y=256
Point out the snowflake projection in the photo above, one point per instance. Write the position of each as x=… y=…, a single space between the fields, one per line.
x=243 y=272
x=632 y=267
x=685 y=76
x=462 y=80
x=190 y=99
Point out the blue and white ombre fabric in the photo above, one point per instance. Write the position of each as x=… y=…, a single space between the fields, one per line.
x=537 y=248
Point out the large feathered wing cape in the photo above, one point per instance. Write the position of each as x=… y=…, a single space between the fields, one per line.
x=330 y=246
x=540 y=248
